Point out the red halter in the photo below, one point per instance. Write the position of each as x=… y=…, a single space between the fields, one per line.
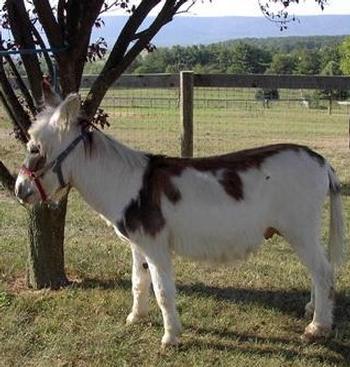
x=33 y=177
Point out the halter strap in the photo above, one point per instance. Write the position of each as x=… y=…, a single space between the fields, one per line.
x=55 y=164
x=24 y=170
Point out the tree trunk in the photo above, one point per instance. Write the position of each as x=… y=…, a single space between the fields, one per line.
x=46 y=238
x=46 y=225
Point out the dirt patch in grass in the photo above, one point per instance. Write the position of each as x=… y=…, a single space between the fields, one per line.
x=17 y=284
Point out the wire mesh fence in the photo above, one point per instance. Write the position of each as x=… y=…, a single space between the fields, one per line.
x=224 y=119
x=229 y=119
x=146 y=119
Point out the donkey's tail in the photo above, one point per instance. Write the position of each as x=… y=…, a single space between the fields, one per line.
x=336 y=226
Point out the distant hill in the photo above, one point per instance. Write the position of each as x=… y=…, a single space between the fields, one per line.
x=288 y=43
x=188 y=30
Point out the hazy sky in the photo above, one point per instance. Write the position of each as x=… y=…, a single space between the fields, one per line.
x=251 y=8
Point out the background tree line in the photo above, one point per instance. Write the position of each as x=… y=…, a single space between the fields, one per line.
x=328 y=55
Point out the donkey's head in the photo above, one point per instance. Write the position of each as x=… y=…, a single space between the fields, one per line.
x=48 y=166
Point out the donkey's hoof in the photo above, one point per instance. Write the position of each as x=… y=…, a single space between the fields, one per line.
x=134 y=317
x=309 y=310
x=315 y=331
x=169 y=340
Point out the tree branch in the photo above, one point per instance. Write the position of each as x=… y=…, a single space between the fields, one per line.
x=109 y=7
x=165 y=16
x=49 y=23
x=45 y=53
x=81 y=33
x=21 y=31
x=127 y=34
x=187 y=9
x=6 y=179
x=56 y=35
x=276 y=11
x=75 y=22
x=115 y=66
x=21 y=85
x=18 y=116
x=61 y=6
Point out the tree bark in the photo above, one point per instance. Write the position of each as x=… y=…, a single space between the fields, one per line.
x=45 y=253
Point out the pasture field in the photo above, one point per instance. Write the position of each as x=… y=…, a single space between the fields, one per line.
x=248 y=315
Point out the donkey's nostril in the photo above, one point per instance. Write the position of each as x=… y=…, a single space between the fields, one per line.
x=18 y=190
x=23 y=192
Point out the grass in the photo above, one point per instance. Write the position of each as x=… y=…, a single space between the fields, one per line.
x=233 y=316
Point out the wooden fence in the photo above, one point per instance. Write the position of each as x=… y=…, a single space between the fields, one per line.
x=187 y=80
x=229 y=81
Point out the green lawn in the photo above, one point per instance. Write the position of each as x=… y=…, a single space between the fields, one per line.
x=251 y=315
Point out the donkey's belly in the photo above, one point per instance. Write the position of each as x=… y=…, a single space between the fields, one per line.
x=217 y=244
x=215 y=226
x=212 y=250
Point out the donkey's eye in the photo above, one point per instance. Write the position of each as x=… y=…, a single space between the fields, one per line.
x=34 y=149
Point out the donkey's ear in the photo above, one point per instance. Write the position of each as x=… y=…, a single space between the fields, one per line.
x=68 y=111
x=51 y=98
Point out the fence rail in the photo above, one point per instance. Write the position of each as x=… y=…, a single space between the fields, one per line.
x=272 y=81
x=229 y=81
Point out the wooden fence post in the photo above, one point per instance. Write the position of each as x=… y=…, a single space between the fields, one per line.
x=186 y=113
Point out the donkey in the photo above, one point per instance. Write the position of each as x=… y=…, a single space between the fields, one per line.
x=216 y=209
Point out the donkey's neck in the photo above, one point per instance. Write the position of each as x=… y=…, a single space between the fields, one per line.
x=110 y=176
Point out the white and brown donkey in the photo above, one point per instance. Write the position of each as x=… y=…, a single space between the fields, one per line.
x=213 y=209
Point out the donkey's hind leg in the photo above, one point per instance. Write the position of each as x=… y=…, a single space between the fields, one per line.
x=141 y=282
x=313 y=257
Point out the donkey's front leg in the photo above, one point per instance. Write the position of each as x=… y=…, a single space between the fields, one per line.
x=310 y=306
x=164 y=289
x=141 y=282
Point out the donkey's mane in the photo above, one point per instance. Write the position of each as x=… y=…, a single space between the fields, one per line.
x=96 y=143
x=107 y=147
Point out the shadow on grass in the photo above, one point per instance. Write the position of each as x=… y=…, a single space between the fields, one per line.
x=287 y=301
x=292 y=349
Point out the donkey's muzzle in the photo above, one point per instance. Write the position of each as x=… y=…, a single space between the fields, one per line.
x=23 y=191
